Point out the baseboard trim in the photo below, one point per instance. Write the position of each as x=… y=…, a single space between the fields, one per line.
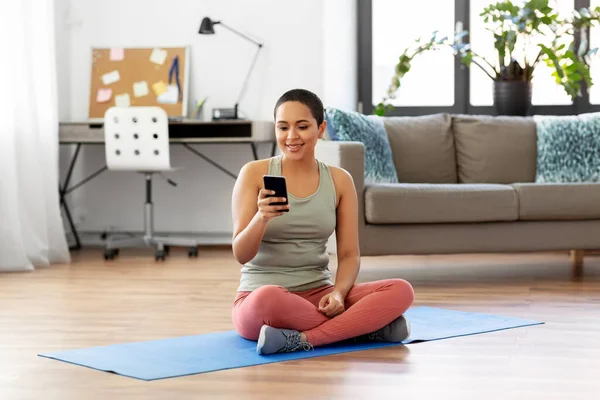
x=95 y=239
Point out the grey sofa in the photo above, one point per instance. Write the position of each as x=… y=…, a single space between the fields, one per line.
x=467 y=186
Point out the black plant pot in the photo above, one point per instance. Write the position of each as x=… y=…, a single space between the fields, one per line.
x=512 y=97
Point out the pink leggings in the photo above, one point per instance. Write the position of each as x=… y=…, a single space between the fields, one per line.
x=369 y=306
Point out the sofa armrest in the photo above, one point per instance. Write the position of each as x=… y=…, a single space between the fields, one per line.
x=346 y=155
x=349 y=156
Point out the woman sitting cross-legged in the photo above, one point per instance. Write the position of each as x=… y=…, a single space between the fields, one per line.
x=287 y=299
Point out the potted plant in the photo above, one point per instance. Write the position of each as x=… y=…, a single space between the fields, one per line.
x=513 y=27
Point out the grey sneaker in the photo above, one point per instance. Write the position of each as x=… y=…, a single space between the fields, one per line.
x=273 y=340
x=396 y=331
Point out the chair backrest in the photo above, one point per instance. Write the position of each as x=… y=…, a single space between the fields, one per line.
x=137 y=138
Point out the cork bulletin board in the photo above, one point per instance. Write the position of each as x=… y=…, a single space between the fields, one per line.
x=139 y=77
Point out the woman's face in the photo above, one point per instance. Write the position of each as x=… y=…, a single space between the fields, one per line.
x=296 y=130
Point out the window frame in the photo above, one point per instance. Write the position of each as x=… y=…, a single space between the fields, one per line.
x=462 y=101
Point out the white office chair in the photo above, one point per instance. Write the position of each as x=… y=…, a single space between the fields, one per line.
x=137 y=139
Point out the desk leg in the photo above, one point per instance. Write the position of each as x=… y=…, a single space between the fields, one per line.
x=254 y=151
x=86 y=180
x=208 y=160
x=63 y=191
x=274 y=148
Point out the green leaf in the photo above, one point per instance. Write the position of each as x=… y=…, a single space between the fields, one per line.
x=554 y=60
x=575 y=77
x=512 y=25
x=467 y=58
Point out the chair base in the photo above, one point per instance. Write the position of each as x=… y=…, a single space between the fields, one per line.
x=149 y=239
x=160 y=243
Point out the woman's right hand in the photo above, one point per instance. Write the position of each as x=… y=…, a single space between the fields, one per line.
x=266 y=211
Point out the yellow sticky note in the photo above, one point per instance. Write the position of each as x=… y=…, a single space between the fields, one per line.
x=159 y=88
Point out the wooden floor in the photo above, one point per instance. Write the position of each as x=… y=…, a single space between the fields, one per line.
x=92 y=303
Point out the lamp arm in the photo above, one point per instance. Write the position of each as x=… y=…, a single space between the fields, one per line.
x=248 y=77
x=239 y=33
x=251 y=66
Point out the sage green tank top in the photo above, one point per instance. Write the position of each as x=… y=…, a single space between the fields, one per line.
x=293 y=253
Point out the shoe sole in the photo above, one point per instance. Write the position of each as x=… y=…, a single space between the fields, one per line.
x=407 y=329
x=261 y=339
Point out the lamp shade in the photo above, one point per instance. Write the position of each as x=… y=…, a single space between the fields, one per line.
x=206 y=27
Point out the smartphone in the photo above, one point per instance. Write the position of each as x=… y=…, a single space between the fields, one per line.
x=276 y=183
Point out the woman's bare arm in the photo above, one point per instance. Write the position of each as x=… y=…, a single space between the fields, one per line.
x=251 y=212
x=348 y=252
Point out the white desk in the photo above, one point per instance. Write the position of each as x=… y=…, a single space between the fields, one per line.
x=182 y=132
x=185 y=131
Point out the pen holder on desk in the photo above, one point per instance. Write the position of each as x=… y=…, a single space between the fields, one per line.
x=199 y=110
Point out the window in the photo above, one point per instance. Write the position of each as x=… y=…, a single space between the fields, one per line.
x=437 y=81
x=395 y=31
x=545 y=90
x=594 y=38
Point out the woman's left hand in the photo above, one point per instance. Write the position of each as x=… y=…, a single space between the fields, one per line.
x=332 y=304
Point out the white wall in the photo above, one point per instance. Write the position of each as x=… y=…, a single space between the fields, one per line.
x=302 y=48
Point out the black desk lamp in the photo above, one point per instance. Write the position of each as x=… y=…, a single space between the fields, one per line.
x=207 y=28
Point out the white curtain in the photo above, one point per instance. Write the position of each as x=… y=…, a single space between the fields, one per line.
x=31 y=229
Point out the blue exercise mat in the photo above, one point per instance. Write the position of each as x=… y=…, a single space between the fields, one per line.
x=188 y=355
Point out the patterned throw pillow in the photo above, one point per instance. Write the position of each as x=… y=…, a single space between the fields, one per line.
x=568 y=148
x=352 y=126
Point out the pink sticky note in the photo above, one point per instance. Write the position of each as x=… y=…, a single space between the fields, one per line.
x=103 y=95
x=117 y=54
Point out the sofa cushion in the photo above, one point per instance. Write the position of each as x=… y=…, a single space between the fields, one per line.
x=495 y=149
x=352 y=126
x=558 y=201
x=423 y=148
x=405 y=203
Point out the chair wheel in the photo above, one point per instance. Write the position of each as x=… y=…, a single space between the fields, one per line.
x=160 y=255
x=193 y=252
x=110 y=254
